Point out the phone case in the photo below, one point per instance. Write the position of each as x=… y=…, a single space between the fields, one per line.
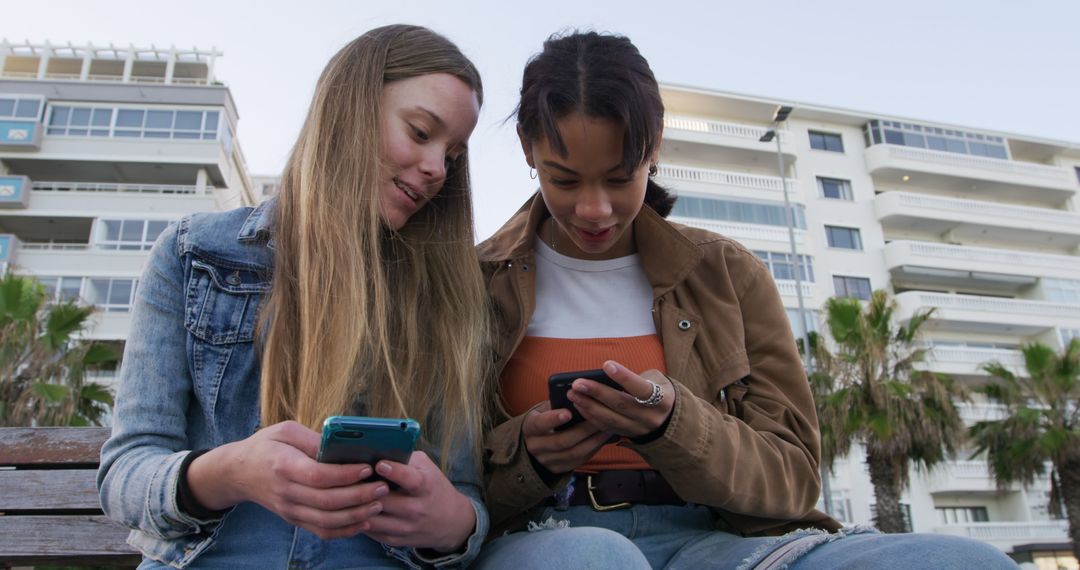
x=559 y=385
x=354 y=439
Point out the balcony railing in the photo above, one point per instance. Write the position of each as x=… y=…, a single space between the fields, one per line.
x=53 y=246
x=1050 y=173
x=974 y=356
x=1034 y=530
x=713 y=127
x=993 y=305
x=771 y=184
x=120 y=188
x=787 y=288
x=958 y=207
x=1002 y=257
x=740 y=232
x=972 y=413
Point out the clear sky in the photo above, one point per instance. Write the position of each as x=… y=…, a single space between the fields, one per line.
x=992 y=64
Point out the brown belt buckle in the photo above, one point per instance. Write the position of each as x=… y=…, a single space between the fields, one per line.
x=596 y=505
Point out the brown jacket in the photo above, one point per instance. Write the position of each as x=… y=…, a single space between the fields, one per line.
x=743 y=436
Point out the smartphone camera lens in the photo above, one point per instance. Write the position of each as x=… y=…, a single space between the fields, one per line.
x=403 y=426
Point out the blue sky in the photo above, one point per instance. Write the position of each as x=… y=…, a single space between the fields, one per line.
x=992 y=64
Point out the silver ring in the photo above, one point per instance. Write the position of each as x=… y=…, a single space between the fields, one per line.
x=655 y=398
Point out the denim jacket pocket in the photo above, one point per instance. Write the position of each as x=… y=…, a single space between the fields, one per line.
x=221 y=316
x=223 y=301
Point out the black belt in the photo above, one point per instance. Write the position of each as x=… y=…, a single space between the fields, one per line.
x=611 y=490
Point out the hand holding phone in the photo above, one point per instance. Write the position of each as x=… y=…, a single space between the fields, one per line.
x=559 y=385
x=355 y=439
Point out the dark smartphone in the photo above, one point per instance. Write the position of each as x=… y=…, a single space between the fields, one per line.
x=559 y=385
x=355 y=439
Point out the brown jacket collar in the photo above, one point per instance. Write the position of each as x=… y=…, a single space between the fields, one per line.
x=666 y=255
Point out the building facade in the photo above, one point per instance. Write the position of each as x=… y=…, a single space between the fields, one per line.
x=100 y=148
x=980 y=225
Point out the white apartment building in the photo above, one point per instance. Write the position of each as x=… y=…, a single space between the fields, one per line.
x=100 y=148
x=981 y=225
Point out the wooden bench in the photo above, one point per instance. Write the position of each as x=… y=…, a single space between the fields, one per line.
x=49 y=510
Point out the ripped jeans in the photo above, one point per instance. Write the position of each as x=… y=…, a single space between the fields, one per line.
x=684 y=537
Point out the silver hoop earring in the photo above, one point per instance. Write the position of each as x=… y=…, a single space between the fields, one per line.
x=532 y=173
x=653 y=170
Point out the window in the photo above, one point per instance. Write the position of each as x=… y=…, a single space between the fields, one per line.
x=111 y=295
x=129 y=234
x=736 y=211
x=793 y=320
x=781 y=267
x=1062 y=290
x=835 y=188
x=962 y=515
x=826 y=141
x=857 y=287
x=1077 y=173
x=71 y=120
x=80 y=121
x=843 y=238
x=1067 y=335
x=935 y=138
x=60 y=289
x=841 y=504
x=16 y=107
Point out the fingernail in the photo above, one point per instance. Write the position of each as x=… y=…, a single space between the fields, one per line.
x=383 y=468
x=375 y=509
x=381 y=491
x=581 y=387
x=610 y=367
x=365 y=472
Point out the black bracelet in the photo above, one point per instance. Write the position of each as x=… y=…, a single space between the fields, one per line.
x=185 y=498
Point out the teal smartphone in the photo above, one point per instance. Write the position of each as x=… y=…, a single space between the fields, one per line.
x=355 y=439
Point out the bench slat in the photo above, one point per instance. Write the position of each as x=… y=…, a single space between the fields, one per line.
x=48 y=490
x=64 y=540
x=51 y=446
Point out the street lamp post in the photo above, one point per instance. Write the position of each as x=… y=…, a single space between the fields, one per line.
x=779 y=117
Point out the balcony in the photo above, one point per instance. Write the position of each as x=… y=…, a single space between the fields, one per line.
x=697 y=137
x=743 y=233
x=735 y=184
x=968 y=361
x=972 y=413
x=992 y=177
x=109 y=326
x=974 y=220
x=123 y=160
x=916 y=262
x=1007 y=535
x=987 y=315
x=79 y=259
x=61 y=199
x=786 y=287
x=961 y=477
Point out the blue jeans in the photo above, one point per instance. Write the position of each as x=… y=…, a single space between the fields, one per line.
x=685 y=537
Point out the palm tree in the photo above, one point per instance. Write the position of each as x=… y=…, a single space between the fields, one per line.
x=42 y=366
x=868 y=391
x=1042 y=426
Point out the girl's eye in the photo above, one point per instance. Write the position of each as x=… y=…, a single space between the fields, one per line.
x=561 y=182
x=420 y=134
x=619 y=181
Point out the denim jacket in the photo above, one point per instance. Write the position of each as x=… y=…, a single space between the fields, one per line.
x=189 y=381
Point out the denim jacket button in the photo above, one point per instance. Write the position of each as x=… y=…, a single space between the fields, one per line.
x=520 y=478
x=684 y=325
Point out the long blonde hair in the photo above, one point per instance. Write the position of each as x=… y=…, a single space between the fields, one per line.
x=358 y=312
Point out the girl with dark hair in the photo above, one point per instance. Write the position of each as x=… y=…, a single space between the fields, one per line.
x=707 y=457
